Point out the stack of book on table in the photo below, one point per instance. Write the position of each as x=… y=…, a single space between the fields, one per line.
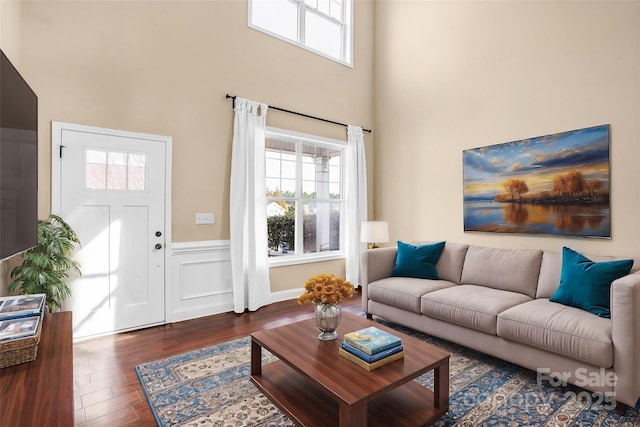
x=20 y=316
x=371 y=347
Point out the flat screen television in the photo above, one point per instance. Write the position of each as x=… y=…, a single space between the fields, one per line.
x=18 y=162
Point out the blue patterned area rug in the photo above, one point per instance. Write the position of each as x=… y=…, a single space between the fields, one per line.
x=211 y=387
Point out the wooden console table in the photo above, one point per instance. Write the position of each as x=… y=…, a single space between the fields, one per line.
x=40 y=393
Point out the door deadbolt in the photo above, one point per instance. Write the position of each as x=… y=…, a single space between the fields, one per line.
x=158 y=234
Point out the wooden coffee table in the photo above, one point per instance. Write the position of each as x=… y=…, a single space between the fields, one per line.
x=315 y=386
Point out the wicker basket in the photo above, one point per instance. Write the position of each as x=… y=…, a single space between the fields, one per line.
x=21 y=350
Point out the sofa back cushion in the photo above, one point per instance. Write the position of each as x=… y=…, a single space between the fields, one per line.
x=551 y=268
x=449 y=266
x=508 y=269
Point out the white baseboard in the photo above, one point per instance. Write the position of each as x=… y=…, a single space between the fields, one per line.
x=287 y=295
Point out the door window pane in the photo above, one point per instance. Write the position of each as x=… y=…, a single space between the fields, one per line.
x=137 y=172
x=96 y=169
x=117 y=171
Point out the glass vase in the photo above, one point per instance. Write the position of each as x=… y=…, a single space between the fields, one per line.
x=328 y=318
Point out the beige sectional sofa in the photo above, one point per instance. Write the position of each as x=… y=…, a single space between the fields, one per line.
x=497 y=301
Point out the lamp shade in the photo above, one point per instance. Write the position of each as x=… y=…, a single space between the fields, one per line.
x=374 y=232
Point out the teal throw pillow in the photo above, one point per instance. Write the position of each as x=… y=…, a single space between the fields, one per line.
x=586 y=284
x=417 y=261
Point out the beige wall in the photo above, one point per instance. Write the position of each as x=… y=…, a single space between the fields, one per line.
x=164 y=67
x=10 y=29
x=447 y=76
x=453 y=75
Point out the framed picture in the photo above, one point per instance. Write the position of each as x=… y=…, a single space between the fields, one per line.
x=554 y=184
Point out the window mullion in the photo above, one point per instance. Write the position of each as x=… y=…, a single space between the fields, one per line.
x=126 y=173
x=343 y=212
x=343 y=32
x=302 y=7
x=299 y=227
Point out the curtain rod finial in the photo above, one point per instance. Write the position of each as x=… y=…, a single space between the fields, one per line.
x=233 y=98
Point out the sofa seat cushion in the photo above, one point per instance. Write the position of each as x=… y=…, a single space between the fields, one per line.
x=472 y=306
x=560 y=329
x=404 y=292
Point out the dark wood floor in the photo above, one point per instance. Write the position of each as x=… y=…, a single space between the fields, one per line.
x=106 y=389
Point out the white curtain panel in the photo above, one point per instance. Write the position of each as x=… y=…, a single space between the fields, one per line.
x=356 y=201
x=249 y=264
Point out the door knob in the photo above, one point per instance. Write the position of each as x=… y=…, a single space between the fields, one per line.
x=158 y=246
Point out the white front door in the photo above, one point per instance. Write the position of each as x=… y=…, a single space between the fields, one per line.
x=112 y=192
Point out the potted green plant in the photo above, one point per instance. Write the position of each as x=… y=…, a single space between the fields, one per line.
x=46 y=266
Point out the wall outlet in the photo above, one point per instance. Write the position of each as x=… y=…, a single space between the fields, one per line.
x=204 y=218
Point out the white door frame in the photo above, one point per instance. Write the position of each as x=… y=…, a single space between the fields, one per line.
x=56 y=138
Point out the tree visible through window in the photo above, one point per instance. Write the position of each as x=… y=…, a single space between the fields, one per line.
x=323 y=26
x=304 y=194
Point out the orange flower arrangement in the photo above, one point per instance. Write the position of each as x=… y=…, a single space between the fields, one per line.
x=325 y=288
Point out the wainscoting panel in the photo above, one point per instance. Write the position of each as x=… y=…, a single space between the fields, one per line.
x=201 y=280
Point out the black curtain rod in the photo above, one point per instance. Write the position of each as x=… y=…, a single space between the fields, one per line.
x=233 y=97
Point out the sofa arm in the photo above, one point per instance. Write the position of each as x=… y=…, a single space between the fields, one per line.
x=625 y=333
x=376 y=264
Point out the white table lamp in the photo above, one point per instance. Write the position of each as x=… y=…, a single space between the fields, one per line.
x=374 y=232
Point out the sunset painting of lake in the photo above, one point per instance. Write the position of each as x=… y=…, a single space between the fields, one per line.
x=552 y=184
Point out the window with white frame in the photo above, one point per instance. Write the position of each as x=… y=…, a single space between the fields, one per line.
x=323 y=26
x=304 y=195
x=114 y=170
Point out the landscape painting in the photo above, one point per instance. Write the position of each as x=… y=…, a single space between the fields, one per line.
x=554 y=184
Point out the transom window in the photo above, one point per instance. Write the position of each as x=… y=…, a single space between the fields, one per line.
x=304 y=195
x=323 y=26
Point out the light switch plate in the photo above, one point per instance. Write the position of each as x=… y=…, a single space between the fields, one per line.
x=204 y=218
